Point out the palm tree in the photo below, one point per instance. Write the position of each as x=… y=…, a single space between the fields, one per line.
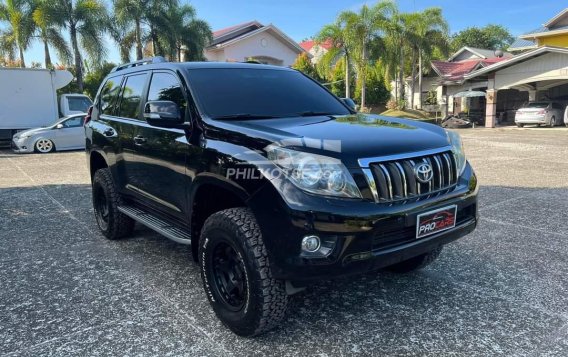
x=123 y=35
x=49 y=33
x=432 y=30
x=187 y=35
x=8 y=47
x=87 y=21
x=341 y=41
x=366 y=27
x=18 y=15
x=147 y=18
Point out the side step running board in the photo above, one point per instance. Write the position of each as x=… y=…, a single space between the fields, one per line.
x=164 y=228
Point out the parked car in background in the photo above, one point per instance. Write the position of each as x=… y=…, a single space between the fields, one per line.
x=28 y=99
x=540 y=113
x=566 y=116
x=65 y=134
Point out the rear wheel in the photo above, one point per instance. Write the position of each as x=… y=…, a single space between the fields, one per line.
x=520 y=125
x=416 y=263
x=44 y=146
x=106 y=200
x=237 y=276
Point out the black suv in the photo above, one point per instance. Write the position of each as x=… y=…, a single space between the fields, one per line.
x=272 y=180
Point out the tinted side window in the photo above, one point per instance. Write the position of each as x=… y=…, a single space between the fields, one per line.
x=73 y=122
x=109 y=95
x=166 y=86
x=131 y=96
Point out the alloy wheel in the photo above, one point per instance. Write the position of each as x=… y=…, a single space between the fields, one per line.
x=44 y=145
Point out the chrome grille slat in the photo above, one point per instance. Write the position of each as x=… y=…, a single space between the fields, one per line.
x=389 y=182
x=394 y=179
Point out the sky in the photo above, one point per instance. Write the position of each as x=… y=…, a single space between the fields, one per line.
x=301 y=19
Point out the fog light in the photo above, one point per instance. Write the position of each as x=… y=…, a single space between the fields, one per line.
x=310 y=244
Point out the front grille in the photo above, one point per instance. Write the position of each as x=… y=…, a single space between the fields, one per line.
x=395 y=180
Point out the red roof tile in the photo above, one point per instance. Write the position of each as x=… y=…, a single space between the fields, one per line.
x=307 y=45
x=457 y=70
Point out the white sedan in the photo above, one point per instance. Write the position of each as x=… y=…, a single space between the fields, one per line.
x=540 y=113
x=65 y=134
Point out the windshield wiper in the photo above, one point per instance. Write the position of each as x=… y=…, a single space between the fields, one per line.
x=245 y=116
x=313 y=114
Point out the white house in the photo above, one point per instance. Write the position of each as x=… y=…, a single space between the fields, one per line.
x=317 y=50
x=266 y=44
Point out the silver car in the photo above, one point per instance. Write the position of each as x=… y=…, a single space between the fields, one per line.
x=65 y=134
x=540 y=113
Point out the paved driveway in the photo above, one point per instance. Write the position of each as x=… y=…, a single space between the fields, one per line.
x=65 y=290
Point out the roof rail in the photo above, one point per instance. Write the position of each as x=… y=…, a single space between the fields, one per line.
x=150 y=60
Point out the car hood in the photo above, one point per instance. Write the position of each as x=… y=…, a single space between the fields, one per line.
x=30 y=132
x=348 y=138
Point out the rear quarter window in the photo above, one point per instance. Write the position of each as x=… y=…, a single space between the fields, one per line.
x=109 y=95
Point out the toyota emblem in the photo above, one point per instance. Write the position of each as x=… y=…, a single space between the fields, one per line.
x=423 y=172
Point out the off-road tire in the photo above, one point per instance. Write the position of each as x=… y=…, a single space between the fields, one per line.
x=266 y=299
x=118 y=225
x=415 y=263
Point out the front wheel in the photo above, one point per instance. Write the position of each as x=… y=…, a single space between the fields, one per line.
x=237 y=276
x=44 y=146
x=520 y=125
x=417 y=262
x=106 y=200
x=552 y=122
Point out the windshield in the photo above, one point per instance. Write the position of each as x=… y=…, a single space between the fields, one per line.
x=537 y=105
x=241 y=93
x=79 y=104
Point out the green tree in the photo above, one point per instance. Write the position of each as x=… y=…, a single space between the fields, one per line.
x=18 y=15
x=367 y=28
x=87 y=22
x=431 y=37
x=48 y=28
x=494 y=37
x=305 y=65
x=187 y=34
x=341 y=48
x=94 y=78
x=378 y=93
x=146 y=19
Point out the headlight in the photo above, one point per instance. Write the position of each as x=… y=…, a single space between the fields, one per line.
x=313 y=173
x=457 y=148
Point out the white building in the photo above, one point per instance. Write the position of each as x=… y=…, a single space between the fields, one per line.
x=252 y=40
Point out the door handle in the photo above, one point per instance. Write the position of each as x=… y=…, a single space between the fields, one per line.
x=139 y=140
x=109 y=133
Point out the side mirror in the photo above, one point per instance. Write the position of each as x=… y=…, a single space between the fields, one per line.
x=350 y=103
x=59 y=126
x=163 y=113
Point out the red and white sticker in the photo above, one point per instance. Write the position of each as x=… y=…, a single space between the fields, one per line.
x=436 y=221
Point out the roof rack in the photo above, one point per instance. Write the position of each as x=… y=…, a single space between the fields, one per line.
x=157 y=59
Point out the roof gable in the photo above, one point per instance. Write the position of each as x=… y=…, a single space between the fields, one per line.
x=247 y=30
x=474 y=53
x=561 y=19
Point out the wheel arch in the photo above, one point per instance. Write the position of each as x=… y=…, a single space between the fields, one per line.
x=97 y=160
x=210 y=194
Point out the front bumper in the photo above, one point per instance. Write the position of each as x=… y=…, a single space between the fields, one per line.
x=369 y=236
x=21 y=146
